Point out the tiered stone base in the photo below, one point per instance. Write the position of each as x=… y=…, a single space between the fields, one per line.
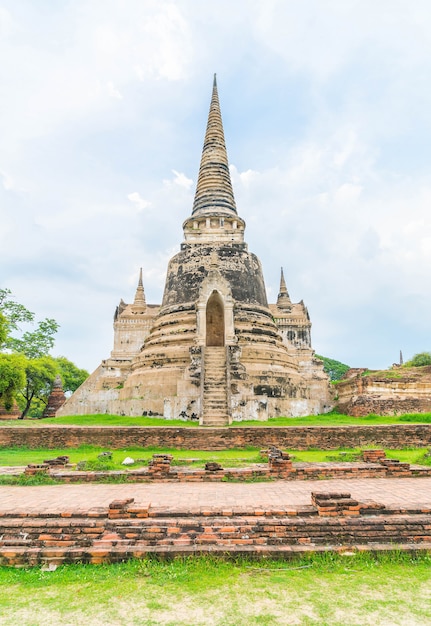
x=333 y=521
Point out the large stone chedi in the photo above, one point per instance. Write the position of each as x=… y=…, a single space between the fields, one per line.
x=214 y=350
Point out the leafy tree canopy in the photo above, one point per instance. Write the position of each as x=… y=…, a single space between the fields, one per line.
x=3 y=329
x=33 y=344
x=14 y=312
x=12 y=377
x=334 y=369
x=40 y=374
x=27 y=372
x=419 y=360
x=71 y=376
x=37 y=343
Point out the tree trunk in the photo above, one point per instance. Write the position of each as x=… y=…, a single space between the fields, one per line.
x=27 y=406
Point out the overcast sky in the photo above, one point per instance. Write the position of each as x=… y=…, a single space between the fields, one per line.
x=326 y=107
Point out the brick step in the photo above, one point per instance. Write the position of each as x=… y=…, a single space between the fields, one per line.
x=37 y=556
x=254 y=533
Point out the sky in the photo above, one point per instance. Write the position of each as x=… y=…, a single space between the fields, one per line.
x=326 y=109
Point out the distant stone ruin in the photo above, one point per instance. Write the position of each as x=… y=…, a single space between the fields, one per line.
x=388 y=392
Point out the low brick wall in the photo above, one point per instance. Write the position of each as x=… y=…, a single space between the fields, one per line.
x=293 y=437
x=385 y=468
x=332 y=521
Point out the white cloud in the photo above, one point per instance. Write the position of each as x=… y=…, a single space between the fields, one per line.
x=113 y=91
x=326 y=40
x=7 y=181
x=327 y=117
x=139 y=202
x=179 y=179
x=182 y=180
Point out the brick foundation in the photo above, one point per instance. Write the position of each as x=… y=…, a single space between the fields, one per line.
x=127 y=529
x=279 y=467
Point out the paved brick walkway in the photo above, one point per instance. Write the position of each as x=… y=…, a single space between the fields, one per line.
x=404 y=492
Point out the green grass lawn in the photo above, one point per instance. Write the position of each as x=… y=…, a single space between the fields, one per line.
x=327 y=590
x=329 y=419
x=98 y=420
x=195 y=458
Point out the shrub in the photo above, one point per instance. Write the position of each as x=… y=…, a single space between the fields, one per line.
x=419 y=360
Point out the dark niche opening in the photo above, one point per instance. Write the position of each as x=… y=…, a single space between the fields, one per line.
x=215 y=320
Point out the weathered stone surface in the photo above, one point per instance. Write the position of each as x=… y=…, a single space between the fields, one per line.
x=164 y=363
x=397 y=391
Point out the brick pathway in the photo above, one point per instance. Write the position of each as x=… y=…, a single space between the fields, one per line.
x=404 y=492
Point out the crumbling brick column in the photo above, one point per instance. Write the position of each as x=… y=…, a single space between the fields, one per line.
x=160 y=465
x=373 y=456
x=334 y=504
x=279 y=462
x=118 y=508
x=56 y=399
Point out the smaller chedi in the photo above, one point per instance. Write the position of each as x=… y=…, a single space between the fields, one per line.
x=56 y=398
x=214 y=350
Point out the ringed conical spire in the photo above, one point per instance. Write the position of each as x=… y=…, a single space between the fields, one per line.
x=283 y=300
x=214 y=193
x=139 y=304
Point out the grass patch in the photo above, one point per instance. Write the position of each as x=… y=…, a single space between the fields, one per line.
x=28 y=481
x=315 y=590
x=87 y=456
x=99 y=420
x=193 y=458
x=338 y=419
x=416 y=418
x=327 y=419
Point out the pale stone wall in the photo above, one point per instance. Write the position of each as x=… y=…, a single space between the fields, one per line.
x=403 y=390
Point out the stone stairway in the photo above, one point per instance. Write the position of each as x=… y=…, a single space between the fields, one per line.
x=215 y=408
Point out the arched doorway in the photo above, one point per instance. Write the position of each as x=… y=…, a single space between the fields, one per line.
x=215 y=320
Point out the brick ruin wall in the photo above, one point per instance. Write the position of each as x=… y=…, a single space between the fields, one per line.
x=332 y=521
x=392 y=436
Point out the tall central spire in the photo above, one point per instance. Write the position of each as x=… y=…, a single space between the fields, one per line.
x=214 y=194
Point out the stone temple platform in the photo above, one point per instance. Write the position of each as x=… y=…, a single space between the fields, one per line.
x=106 y=522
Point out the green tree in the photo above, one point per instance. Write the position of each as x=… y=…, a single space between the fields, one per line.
x=3 y=330
x=71 y=375
x=334 y=369
x=12 y=377
x=13 y=314
x=26 y=370
x=37 y=343
x=419 y=360
x=40 y=374
x=32 y=344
